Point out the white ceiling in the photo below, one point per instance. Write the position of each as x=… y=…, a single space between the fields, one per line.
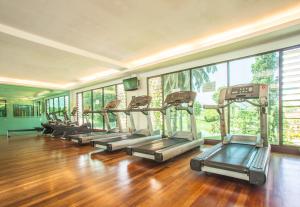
x=61 y=41
x=31 y=61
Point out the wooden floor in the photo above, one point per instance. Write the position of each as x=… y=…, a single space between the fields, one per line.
x=40 y=171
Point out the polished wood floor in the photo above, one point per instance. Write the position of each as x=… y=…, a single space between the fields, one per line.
x=38 y=171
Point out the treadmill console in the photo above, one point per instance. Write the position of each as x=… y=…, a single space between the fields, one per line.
x=180 y=97
x=86 y=111
x=113 y=104
x=74 y=111
x=140 y=101
x=249 y=91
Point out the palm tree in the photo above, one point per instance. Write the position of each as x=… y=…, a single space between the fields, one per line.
x=181 y=81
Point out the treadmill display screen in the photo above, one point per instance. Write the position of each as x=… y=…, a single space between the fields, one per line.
x=242 y=90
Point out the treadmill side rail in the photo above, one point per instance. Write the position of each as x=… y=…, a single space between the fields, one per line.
x=143 y=155
x=127 y=142
x=168 y=153
x=258 y=171
x=219 y=171
x=88 y=139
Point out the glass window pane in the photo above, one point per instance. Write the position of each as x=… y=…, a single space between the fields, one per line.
x=259 y=69
x=291 y=96
x=56 y=105
x=207 y=82
x=67 y=103
x=51 y=109
x=61 y=104
x=121 y=95
x=47 y=106
x=97 y=105
x=109 y=95
x=179 y=81
x=80 y=108
x=36 y=108
x=155 y=91
x=87 y=105
x=87 y=100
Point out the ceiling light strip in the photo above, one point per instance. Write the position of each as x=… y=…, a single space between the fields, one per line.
x=275 y=22
x=57 y=45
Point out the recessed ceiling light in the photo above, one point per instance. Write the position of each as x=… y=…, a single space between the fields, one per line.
x=43 y=93
x=15 y=81
x=22 y=82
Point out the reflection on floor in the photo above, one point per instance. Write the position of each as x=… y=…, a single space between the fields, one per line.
x=50 y=172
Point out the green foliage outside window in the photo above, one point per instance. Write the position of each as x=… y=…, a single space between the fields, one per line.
x=244 y=118
x=97 y=105
x=177 y=82
x=110 y=95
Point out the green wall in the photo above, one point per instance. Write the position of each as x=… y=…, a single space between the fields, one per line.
x=23 y=95
x=11 y=122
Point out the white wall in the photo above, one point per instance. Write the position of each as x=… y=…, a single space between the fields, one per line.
x=140 y=119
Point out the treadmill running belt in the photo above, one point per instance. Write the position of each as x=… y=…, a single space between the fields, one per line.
x=233 y=154
x=120 y=138
x=80 y=136
x=154 y=146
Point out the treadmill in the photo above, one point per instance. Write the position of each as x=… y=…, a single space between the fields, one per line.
x=82 y=139
x=240 y=156
x=178 y=142
x=137 y=104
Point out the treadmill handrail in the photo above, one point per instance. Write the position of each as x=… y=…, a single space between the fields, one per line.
x=211 y=107
x=244 y=93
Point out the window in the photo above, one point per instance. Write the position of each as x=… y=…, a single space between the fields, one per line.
x=67 y=103
x=61 y=105
x=155 y=91
x=87 y=105
x=3 y=112
x=57 y=104
x=95 y=100
x=121 y=95
x=242 y=118
x=291 y=96
x=179 y=81
x=51 y=109
x=47 y=106
x=97 y=105
x=259 y=69
x=22 y=110
x=207 y=82
x=37 y=108
x=79 y=107
x=110 y=95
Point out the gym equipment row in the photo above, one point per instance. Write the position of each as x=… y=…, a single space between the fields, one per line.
x=240 y=156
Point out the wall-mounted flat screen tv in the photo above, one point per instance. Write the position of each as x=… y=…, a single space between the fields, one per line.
x=131 y=84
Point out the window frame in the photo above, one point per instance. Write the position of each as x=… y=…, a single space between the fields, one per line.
x=102 y=99
x=280 y=102
x=65 y=106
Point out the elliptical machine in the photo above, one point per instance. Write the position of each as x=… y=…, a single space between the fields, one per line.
x=67 y=127
x=48 y=126
x=72 y=128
